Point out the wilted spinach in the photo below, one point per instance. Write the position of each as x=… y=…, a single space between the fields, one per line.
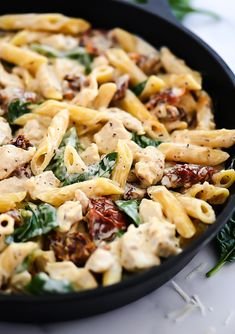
x=101 y=169
x=16 y=109
x=144 y=141
x=37 y=220
x=57 y=163
x=42 y=284
x=79 y=54
x=131 y=209
x=138 y=89
x=226 y=245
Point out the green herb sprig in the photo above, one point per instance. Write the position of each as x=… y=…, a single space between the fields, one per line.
x=226 y=244
x=181 y=8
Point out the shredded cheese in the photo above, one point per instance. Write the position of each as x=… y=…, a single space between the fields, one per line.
x=229 y=318
x=196 y=270
x=191 y=304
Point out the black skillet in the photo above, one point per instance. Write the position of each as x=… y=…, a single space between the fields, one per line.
x=156 y=24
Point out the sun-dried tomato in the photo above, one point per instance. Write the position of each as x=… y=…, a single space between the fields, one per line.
x=122 y=86
x=186 y=175
x=149 y=64
x=105 y=220
x=21 y=142
x=75 y=247
x=168 y=96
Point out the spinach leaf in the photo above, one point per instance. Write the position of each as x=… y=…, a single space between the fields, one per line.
x=46 y=50
x=101 y=169
x=138 y=89
x=37 y=220
x=131 y=209
x=78 y=54
x=16 y=109
x=57 y=163
x=82 y=57
x=181 y=8
x=42 y=284
x=226 y=245
x=144 y=141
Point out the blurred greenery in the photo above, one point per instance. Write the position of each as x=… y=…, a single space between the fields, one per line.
x=181 y=8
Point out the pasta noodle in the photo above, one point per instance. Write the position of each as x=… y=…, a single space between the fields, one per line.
x=50 y=142
x=193 y=154
x=174 y=210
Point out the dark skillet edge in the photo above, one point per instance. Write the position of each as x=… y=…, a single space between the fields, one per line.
x=133 y=288
x=125 y=291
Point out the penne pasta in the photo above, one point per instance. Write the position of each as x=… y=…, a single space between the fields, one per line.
x=43 y=22
x=50 y=142
x=152 y=126
x=21 y=57
x=48 y=83
x=96 y=187
x=123 y=165
x=153 y=85
x=120 y=60
x=204 y=115
x=224 y=178
x=105 y=95
x=209 y=193
x=174 y=210
x=193 y=154
x=197 y=208
x=8 y=201
x=209 y=138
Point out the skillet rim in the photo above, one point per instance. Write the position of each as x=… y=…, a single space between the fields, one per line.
x=191 y=250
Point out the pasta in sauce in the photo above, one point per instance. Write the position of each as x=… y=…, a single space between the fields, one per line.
x=109 y=154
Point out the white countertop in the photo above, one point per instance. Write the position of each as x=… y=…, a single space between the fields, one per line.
x=148 y=315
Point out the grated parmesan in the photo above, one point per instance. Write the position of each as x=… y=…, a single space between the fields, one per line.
x=228 y=318
x=196 y=270
x=181 y=292
x=191 y=304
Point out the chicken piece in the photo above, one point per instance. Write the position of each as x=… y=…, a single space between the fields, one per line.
x=142 y=247
x=149 y=165
x=41 y=183
x=107 y=138
x=60 y=42
x=19 y=281
x=80 y=278
x=150 y=210
x=68 y=214
x=12 y=157
x=5 y=132
x=100 y=261
x=34 y=131
x=129 y=121
x=133 y=192
x=91 y=154
x=83 y=199
x=12 y=184
x=39 y=260
x=12 y=257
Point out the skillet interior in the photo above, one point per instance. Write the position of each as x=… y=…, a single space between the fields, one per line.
x=218 y=81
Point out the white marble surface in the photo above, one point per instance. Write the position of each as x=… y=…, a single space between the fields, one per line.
x=148 y=315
